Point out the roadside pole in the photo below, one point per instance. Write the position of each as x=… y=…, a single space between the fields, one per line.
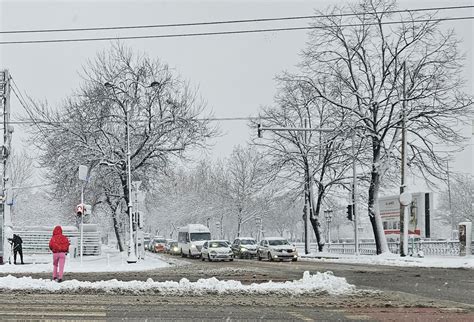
x=405 y=198
x=5 y=216
x=83 y=177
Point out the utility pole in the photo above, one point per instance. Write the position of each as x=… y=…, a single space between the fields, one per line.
x=451 y=228
x=353 y=196
x=403 y=204
x=307 y=213
x=5 y=218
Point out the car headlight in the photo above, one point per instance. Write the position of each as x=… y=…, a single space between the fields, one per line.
x=243 y=249
x=193 y=246
x=212 y=252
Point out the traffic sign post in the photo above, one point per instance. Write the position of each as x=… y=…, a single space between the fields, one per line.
x=83 y=171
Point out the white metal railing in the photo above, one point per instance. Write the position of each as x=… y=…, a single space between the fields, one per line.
x=434 y=248
x=37 y=242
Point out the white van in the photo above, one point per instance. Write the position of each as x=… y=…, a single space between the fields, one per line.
x=191 y=238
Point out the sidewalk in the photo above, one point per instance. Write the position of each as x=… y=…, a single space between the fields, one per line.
x=110 y=260
x=393 y=260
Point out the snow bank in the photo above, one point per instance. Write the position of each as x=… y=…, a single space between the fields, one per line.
x=316 y=284
x=395 y=260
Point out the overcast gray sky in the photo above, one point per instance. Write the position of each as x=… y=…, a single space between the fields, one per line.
x=235 y=73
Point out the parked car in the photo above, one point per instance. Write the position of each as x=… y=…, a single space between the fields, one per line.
x=216 y=250
x=173 y=248
x=158 y=245
x=273 y=248
x=244 y=247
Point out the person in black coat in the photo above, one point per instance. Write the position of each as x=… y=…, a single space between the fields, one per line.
x=17 y=248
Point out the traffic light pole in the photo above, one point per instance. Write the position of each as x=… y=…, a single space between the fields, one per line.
x=354 y=194
x=82 y=220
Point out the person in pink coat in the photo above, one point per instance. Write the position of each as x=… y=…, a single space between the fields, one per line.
x=59 y=245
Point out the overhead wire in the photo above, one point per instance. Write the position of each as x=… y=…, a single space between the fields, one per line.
x=238 y=21
x=230 y=32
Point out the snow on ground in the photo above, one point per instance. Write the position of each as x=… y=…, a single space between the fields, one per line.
x=111 y=260
x=394 y=260
x=317 y=283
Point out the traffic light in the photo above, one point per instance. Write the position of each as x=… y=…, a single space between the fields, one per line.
x=350 y=211
x=140 y=219
x=259 y=130
x=80 y=209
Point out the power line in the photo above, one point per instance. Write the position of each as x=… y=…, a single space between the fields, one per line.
x=221 y=22
x=233 y=32
x=24 y=105
x=212 y=119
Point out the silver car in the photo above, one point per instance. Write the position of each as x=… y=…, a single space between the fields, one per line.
x=245 y=247
x=216 y=250
x=273 y=248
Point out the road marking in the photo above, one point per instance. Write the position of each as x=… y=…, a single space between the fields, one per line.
x=300 y=316
x=46 y=314
x=358 y=317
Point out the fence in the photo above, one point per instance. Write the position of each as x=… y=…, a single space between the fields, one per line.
x=433 y=248
x=37 y=242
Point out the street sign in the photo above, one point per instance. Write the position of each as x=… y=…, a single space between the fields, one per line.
x=405 y=198
x=83 y=172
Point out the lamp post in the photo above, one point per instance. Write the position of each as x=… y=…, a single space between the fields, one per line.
x=132 y=256
x=328 y=216
x=136 y=184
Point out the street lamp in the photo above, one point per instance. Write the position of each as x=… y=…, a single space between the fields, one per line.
x=328 y=216
x=132 y=256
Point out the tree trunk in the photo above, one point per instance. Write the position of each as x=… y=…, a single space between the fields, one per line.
x=117 y=233
x=115 y=222
x=374 y=214
x=313 y=213
x=239 y=222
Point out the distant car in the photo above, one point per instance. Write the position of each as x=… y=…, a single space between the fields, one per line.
x=244 y=247
x=213 y=250
x=173 y=248
x=273 y=248
x=158 y=245
x=146 y=242
x=168 y=245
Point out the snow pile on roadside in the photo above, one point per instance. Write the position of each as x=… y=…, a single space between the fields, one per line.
x=315 y=284
x=395 y=260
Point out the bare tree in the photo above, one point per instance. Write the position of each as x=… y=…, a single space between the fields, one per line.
x=21 y=176
x=456 y=205
x=382 y=72
x=305 y=159
x=90 y=128
x=245 y=179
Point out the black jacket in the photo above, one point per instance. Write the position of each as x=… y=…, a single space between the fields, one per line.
x=16 y=240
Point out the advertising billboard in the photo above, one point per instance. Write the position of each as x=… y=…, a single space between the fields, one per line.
x=419 y=215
